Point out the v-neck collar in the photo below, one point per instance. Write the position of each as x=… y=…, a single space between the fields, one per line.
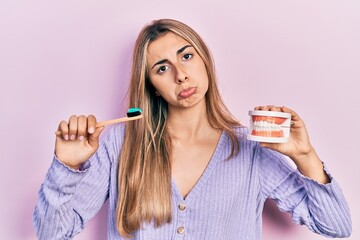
x=196 y=189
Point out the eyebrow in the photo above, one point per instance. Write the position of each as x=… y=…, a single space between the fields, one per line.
x=177 y=53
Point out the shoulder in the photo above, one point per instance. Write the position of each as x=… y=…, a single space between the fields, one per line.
x=116 y=132
x=241 y=134
x=113 y=138
x=245 y=146
x=262 y=156
x=252 y=148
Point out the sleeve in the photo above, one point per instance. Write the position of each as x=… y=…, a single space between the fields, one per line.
x=68 y=199
x=321 y=207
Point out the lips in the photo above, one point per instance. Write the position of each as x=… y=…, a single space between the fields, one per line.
x=188 y=92
x=267 y=126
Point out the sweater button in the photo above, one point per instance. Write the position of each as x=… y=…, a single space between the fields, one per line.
x=182 y=207
x=180 y=230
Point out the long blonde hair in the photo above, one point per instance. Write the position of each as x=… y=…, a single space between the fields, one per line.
x=144 y=180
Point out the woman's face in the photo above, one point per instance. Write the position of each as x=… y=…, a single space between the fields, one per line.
x=177 y=71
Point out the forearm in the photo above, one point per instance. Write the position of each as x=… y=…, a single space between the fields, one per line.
x=54 y=202
x=322 y=208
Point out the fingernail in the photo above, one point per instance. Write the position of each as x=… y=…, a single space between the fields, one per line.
x=72 y=137
x=81 y=138
x=91 y=130
x=66 y=137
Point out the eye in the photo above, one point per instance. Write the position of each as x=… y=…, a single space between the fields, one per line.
x=187 y=56
x=162 y=69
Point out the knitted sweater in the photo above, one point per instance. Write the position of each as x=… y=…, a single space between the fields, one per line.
x=226 y=202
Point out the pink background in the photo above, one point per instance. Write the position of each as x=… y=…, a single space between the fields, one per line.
x=59 y=58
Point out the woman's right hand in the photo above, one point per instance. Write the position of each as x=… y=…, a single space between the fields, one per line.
x=77 y=140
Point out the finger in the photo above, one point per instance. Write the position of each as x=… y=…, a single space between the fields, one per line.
x=296 y=121
x=91 y=124
x=82 y=127
x=94 y=138
x=73 y=127
x=274 y=108
x=294 y=115
x=259 y=108
x=63 y=130
x=268 y=108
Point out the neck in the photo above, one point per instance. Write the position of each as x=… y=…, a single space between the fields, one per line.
x=188 y=123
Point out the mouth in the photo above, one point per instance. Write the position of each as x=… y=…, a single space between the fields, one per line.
x=188 y=92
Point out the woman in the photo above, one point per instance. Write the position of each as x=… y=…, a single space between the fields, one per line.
x=185 y=170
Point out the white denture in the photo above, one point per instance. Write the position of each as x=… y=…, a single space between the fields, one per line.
x=266 y=126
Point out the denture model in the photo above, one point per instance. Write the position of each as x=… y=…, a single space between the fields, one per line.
x=269 y=126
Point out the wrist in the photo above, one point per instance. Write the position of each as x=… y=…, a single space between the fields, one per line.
x=68 y=164
x=311 y=166
x=305 y=156
x=73 y=167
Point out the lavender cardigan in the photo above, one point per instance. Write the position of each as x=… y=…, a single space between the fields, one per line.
x=226 y=203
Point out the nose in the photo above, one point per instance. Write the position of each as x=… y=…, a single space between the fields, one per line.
x=181 y=75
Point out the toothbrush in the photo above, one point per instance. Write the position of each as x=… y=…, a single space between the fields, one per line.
x=132 y=114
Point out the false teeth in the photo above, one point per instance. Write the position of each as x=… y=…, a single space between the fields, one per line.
x=266 y=126
x=269 y=126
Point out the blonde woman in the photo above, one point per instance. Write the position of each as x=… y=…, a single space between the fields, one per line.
x=185 y=170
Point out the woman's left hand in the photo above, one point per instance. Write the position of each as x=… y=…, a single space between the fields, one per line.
x=298 y=148
x=298 y=145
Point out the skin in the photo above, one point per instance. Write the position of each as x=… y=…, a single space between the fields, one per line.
x=77 y=140
x=193 y=139
x=299 y=148
x=179 y=75
x=175 y=66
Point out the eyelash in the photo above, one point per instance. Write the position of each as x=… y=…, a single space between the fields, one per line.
x=160 y=71
x=190 y=55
